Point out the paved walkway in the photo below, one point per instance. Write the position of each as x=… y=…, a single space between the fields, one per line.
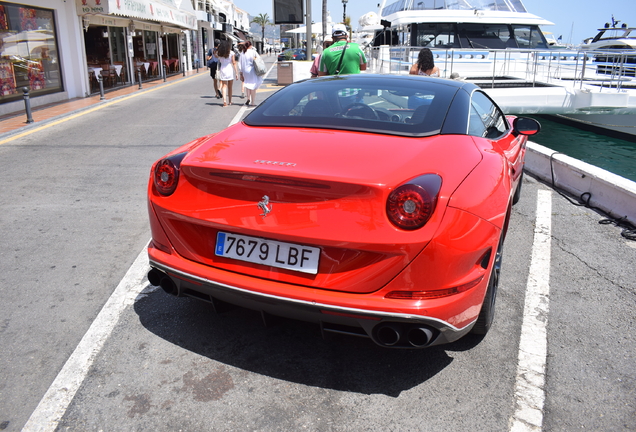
x=13 y=123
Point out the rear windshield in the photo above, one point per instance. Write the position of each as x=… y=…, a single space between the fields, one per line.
x=407 y=106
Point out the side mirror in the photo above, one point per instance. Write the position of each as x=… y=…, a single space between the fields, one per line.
x=526 y=126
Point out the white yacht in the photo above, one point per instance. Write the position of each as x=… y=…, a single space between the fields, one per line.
x=468 y=24
x=500 y=46
x=614 y=53
x=612 y=37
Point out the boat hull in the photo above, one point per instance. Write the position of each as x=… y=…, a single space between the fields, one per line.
x=615 y=125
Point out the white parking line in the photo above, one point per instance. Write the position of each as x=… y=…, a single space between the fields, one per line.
x=533 y=346
x=55 y=402
x=238 y=116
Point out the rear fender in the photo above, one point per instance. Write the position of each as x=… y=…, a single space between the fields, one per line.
x=454 y=257
x=487 y=190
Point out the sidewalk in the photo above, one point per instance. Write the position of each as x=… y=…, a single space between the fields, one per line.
x=14 y=122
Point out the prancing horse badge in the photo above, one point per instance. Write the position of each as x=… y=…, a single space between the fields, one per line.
x=265 y=206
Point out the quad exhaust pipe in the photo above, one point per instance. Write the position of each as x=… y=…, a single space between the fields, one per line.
x=419 y=336
x=388 y=334
x=160 y=279
x=397 y=334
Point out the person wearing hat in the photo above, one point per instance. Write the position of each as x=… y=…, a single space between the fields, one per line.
x=342 y=57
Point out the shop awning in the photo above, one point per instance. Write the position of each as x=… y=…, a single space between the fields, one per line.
x=233 y=38
x=315 y=28
x=176 y=12
x=241 y=35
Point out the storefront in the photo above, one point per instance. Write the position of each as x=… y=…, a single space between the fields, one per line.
x=129 y=40
x=28 y=52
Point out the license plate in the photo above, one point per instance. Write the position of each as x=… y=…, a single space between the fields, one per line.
x=268 y=252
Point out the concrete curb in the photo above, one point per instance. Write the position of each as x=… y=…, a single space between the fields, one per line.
x=611 y=193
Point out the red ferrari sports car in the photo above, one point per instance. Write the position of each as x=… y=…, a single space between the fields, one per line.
x=372 y=205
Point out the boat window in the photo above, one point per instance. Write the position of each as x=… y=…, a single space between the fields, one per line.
x=493 y=36
x=486 y=119
x=397 y=6
x=434 y=35
x=529 y=37
x=437 y=4
x=517 y=6
x=495 y=5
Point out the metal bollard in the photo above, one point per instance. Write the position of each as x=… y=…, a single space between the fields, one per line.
x=139 y=78
x=164 y=73
x=101 y=87
x=27 y=104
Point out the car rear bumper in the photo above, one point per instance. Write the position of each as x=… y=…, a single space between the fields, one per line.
x=387 y=329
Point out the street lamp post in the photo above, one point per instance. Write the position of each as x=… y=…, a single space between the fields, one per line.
x=344 y=10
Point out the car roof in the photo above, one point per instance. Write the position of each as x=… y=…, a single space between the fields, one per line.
x=322 y=103
x=441 y=81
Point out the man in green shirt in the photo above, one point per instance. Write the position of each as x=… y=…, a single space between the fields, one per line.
x=351 y=62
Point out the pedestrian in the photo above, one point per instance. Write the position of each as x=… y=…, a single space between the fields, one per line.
x=241 y=49
x=228 y=71
x=342 y=57
x=425 y=64
x=248 y=73
x=213 y=64
x=315 y=67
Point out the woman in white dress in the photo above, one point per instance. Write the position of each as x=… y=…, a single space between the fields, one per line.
x=248 y=74
x=227 y=71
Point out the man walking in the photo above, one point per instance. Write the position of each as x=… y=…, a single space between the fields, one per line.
x=342 y=57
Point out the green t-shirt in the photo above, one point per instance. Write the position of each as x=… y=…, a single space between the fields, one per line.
x=353 y=57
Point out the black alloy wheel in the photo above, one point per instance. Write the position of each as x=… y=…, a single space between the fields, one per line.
x=517 y=195
x=487 y=313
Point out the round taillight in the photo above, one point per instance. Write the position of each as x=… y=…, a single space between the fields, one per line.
x=411 y=205
x=166 y=177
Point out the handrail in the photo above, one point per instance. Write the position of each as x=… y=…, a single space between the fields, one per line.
x=608 y=69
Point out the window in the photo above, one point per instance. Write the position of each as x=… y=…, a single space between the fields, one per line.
x=493 y=36
x=28 y=52
x=486 y=119
x=435 y=35
x=397 y=6
x=414 y=107
x=529 y=37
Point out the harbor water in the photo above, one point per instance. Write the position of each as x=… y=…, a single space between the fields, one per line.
x=612 y=154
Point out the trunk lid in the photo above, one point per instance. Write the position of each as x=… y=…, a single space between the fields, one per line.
x=324 y=189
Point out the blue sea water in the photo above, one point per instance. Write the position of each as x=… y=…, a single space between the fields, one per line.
x=612 y=154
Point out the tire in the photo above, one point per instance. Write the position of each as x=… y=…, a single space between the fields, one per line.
x=487 y=313
x=517 y=196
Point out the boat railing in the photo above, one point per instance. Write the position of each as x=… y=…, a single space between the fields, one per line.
x=607 y=70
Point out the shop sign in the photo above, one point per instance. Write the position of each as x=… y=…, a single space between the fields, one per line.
x=108 y=21
x=144 y=9
x=92 y=6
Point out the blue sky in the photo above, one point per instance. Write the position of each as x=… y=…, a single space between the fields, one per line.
x=574 y=19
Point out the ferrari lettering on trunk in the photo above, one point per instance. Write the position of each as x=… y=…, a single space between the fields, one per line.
x=268 y=252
